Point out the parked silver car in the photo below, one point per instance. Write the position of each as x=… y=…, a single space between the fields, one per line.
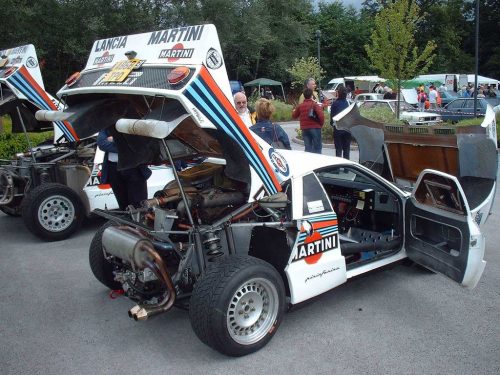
x=406 y=112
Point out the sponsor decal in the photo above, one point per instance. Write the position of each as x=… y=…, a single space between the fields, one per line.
x=18 y=50
x=31 y=62
x=197 y=114
x=314 y=246
x=111 y=43
x=176 y=52
x=181 y=34
x=279 y=162
x=131 y=78
x=106 y=58
x=16 y=60
x=478 y=217
x=320 y=274
x=214 y=59
x=95 y=176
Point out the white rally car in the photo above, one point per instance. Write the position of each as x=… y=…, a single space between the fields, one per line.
x=251 y=229
x=53 y=186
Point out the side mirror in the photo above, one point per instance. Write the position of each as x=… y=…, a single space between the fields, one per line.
x=278 y=200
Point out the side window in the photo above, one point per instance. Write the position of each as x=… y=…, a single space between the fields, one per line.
x=314 y=200
x=441 y=192
x=457 y=104
x=469 y=104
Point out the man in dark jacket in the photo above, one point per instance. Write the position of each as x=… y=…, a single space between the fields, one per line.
x=341 y=138
x=128 y=185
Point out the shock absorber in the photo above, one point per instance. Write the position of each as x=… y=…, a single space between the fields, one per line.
x=212 y=246
x=44 y=176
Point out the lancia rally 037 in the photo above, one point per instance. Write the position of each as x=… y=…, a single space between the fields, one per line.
x=250 y=230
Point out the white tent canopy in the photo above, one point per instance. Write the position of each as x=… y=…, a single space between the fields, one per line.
x=470 y=78
x=374 y=79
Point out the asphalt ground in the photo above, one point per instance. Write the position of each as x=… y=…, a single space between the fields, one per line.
x=56 y=318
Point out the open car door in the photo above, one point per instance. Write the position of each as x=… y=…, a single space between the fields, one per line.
x=440 y=232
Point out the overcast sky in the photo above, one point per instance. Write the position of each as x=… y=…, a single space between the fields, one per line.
x=355 y=3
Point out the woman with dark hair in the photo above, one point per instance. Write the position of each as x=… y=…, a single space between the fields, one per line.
x=341 y=138
x=267 y=130
x=311 y=118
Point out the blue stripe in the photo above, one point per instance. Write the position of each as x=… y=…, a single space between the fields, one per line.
x=231 y=129
x=324 y=232
x=235 y=133
x=208 y=106
x=23 y=86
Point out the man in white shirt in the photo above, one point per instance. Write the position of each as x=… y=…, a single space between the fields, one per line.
x=433 y=97
x=240 y=102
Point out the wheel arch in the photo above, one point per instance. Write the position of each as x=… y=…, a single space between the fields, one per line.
x=272 y=246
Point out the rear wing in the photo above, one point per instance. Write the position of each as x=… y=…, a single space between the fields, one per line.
x=190 y=46
x=22 y=94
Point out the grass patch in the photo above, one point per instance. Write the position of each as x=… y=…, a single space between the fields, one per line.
x=11 y=144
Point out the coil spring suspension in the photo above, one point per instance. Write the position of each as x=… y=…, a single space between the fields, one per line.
x=212 y=246
x=44 y=176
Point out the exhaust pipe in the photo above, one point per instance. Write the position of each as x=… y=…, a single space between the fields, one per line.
x=129 y=245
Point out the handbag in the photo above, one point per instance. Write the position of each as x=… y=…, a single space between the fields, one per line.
x=312 y=114
x=276 y=143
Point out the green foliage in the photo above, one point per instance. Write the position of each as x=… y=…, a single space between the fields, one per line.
x=262 y=38
x=344 y=32
x=14 y=143
x=283 y=111
x=446 y=22
x=393 y=51
x=304 y=68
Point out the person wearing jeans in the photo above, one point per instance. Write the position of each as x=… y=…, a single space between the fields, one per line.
x=341 y=138
x=311 y=118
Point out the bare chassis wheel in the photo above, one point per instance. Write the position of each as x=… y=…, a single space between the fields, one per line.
x=52 y=211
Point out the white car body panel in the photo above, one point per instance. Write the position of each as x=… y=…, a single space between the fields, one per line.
x=211 y=109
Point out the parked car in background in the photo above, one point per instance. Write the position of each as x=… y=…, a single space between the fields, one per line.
x=461 y=108
x=236 y=86
x=406 y=111
x=368 y=96
x=447 y=97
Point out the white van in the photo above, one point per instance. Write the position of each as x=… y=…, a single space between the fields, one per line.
x=365 y=83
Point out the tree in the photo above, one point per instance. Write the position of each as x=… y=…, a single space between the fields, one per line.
x=393 y=51
x=344 y=33
x=304 y=68
x=447 y=22
x=372 y=7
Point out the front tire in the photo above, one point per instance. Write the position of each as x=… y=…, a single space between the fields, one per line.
x=52 y=211
x=237 y=305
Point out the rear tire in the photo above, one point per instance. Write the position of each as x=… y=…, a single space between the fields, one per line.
x=100 y=266
x=237 y=305
x=52 y=211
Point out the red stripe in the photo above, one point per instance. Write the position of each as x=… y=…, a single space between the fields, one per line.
x=324 y=224
x=228 y=106
x=24 y=72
